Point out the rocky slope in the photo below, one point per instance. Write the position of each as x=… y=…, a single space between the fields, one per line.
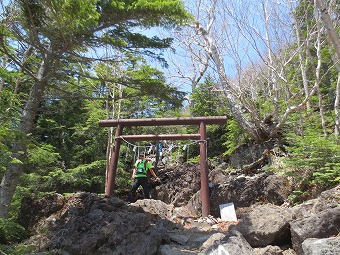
x=170 y=222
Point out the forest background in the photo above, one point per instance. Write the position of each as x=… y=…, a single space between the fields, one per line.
x=272 y=67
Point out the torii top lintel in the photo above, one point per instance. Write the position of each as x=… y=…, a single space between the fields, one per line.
x=164 y=121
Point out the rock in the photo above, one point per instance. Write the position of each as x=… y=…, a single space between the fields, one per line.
x=85 y=226
x=216 y=237
x=327 y=246
x=303 y=210
x=179 y=238
x=327 y=200
x=234 y=244
x=321 y=225
x=179 y=184
x=269 y=250
x=276 y=189
x=169 y=250
x=155 y=207
x=247 y=191
x=181 y=187
x=86 y=223
x=32 y=211
x=199 y=238
x=266 y=225
x=218 y=174
x=248 y=153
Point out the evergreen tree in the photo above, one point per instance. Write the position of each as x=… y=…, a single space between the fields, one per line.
x=53 y=35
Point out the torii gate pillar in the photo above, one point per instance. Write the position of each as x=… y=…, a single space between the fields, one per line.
x=201 y=121
x=111 y=174
x=204 y=171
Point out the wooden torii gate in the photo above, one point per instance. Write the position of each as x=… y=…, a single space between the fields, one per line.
x=202 y=136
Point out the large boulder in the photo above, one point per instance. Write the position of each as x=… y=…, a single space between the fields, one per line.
x=245 y=191
x=178 y=185
x=32 y=211
x=266 y=225
x=181 y=186
x=89 y=224
x=316 y=218
x=321 y=225
x=234 y=243
x=327 y=200
x=248 y=153
x=155 y=207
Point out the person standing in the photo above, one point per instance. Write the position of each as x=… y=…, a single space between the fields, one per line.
x=142 y=168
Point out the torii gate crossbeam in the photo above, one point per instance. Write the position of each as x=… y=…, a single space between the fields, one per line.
x=200 y=121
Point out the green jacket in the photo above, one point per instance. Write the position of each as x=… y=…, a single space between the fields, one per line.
x=142 y=167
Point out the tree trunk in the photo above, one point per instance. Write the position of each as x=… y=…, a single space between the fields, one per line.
x=254 y=128
x=13 y=171
x=331 y=32
x=336 y=109
x=255 y=131
x=2 y=81
x=272 y=75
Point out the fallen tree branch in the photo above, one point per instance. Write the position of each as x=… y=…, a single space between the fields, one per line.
x=255 y=165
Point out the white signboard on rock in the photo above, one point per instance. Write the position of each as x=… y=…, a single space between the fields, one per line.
x=228 y=212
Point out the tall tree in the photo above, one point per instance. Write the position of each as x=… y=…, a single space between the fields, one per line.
x=43 y=38
x=334 y=39
x=260 y=41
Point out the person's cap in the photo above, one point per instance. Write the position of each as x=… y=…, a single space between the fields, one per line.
x=141 y=154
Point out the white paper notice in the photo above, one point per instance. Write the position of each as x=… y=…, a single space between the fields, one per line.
x=228 y=212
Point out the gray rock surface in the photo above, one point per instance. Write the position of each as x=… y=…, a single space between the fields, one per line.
x=321 y=225
x=86 y=223
x=256 y=230
x=325 y=246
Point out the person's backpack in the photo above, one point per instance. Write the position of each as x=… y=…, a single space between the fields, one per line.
x=142 y=169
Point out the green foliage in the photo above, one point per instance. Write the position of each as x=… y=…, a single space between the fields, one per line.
x=168 y=13
x=44 y=172
x=63 y=20
x=19 y=249
x=194 y=159
x=313 y=162
x=86 y=177
x=11 y=232
x=42 y=158
x=89 y=177
x=9 y=118
x=235 y=136
x=123 y=180
x=207 y=100
x=66 y=123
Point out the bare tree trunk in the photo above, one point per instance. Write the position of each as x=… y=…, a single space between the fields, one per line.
x=303 y=61
x=14 y=169
x=2 y=81
x=273 y=80
x=317 y=81
x=334 y=40
x=336 y=109
x=331 y=32
x=113 y=113
x=254 y=129
x=110 y=110
x=256 y=132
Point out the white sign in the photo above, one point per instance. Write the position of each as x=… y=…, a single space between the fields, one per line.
x=228 y=212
